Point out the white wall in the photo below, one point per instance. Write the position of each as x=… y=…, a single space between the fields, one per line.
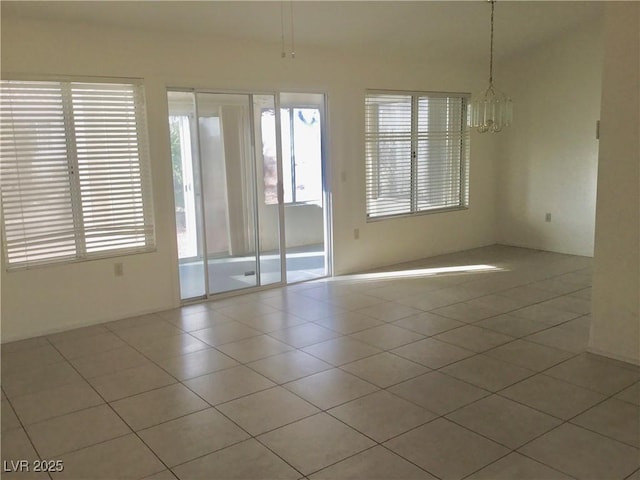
x=549 y=155
x=615 y=328
x=49 y=299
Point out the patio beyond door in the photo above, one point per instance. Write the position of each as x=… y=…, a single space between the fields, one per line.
x=235 y=190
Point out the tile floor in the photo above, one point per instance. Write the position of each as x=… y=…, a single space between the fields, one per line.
x=469 y=365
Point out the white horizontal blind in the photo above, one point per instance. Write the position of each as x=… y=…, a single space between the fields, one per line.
x=440 y=153
x=416 y=153
x=75 y=172
x=108 y=126
x=388 y=147
x=36 y=190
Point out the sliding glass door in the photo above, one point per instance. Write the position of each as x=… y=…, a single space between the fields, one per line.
x=187 y=192
x=305 y=190
x=230 y=212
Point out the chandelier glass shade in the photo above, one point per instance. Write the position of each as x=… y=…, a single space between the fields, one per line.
x=491 y=110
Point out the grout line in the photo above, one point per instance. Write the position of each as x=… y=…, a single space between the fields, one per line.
x=632 y=474
x=121 y=419
x=340 y=367
x=517 y=452
x=24 y=430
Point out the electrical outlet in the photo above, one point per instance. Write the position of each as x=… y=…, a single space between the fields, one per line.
x=118 y=269
x=356 y=233
x=547 y=218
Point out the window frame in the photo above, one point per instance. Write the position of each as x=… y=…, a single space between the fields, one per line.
x=414 y=135
x=76 y=203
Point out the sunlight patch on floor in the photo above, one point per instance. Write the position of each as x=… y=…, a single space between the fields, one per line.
x=423 y=272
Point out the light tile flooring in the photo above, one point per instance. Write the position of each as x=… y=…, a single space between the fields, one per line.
x=469 y=365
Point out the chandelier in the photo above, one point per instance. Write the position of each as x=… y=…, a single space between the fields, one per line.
x=491 y=110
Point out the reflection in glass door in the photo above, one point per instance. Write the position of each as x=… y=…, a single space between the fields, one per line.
x=227 y=167
x=304 y=183
x=187 y=194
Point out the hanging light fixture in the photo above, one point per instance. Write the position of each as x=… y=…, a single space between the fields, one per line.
x=490 y=111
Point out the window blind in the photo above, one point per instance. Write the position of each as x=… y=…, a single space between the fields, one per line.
x=74 y=171
x=416 y=151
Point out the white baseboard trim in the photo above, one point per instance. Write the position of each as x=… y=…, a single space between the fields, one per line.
x=621 y=358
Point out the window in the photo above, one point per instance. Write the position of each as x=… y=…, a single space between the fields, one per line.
x=75 y=172
x=416 y=153
x=301 y=155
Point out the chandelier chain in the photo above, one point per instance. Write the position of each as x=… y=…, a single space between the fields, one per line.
x=491 y=47
x=490 y=111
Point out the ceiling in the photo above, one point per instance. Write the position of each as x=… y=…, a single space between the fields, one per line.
x=399 y=27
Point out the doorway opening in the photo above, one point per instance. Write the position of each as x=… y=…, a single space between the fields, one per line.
x=250 y=190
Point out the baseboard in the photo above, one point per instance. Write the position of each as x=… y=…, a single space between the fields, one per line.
x=65 y=328
x=543 y=249
x=613 y=356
